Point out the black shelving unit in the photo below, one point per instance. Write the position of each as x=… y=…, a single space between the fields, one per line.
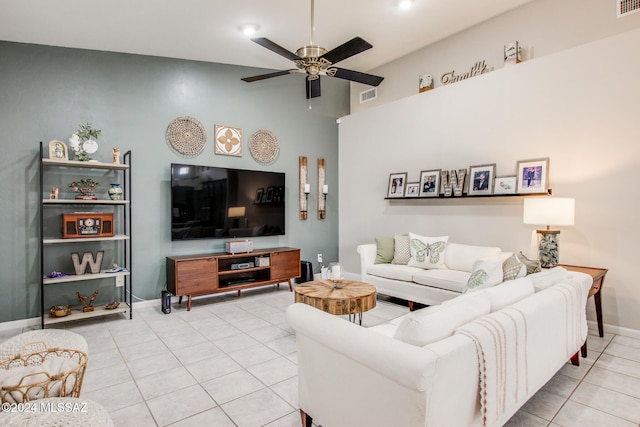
x=122 y=240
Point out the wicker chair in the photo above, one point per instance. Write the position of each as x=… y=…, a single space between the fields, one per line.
x=42 y=364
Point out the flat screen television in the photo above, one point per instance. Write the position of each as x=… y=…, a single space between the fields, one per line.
x=209 y=202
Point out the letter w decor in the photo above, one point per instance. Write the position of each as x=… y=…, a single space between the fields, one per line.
x=87 y=258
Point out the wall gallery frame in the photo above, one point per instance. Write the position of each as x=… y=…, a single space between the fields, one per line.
x=397 y=184
x=533 y=176
x=481 y=180
x=259 y=193
x=505 y=185
x=413 y=189
x=430 y=183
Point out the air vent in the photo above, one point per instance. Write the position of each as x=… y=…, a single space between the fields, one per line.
x=371 y=94
x=627 y=7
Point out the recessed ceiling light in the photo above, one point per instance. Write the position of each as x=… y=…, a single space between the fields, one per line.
x=405 y=4
x=249 y=29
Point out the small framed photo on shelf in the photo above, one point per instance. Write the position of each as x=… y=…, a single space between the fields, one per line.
x=397 y=184
x=413 y=189
x=505 y=185
x=58 y=150
x=430 y=183
x=259 y=194
x=533 y=176
x=481 y=180
x=270 y=191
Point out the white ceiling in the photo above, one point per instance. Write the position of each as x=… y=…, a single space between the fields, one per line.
x=208 y=30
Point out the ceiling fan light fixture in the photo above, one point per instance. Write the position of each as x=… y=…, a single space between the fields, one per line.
x=405 y=4
x=249 y=29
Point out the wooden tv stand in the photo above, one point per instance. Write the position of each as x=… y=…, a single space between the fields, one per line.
x=205 y=274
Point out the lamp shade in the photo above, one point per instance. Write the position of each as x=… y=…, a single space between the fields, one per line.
x=549 y=211
x=236 y=212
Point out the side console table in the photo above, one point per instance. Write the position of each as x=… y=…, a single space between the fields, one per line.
x=204 y=274
x=596 y=287
x=598 y=281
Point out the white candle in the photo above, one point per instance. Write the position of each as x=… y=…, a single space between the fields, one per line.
x=325 y=189
x=335 y=272
x=307 y=188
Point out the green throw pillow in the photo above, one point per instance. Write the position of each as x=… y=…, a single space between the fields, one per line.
x=533 y=265
x=384 y=250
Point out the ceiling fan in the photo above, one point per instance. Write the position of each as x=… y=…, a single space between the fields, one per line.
x=316 y=61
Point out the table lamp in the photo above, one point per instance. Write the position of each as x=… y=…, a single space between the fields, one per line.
x=235 y=213
x=556 y=211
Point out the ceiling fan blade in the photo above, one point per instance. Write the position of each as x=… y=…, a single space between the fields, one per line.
x=264 y=42
x=357 y=76
x=313 y=88
x=268 y=76
x=346 y=50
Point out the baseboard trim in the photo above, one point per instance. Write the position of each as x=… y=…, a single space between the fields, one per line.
x=35 y=321
x=617 y=330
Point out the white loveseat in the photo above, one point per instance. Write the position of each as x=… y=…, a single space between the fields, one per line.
x=426 y=286
x=384 y=375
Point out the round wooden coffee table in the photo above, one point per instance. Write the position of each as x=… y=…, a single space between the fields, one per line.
x=345 y=297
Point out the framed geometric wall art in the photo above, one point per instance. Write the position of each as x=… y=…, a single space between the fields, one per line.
x=228 y=141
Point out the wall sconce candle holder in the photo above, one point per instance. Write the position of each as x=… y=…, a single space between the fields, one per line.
x=304 y=188
x=323 y=190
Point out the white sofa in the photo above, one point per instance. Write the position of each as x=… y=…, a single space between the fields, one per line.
x=428 y=287
x=383 y=376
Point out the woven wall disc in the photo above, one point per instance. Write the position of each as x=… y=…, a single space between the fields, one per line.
x=187 y=136
x=264 y=146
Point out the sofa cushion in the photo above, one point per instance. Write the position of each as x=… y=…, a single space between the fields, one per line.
x=427 y=252
x=450 y=280
x=385 y=329
x=393 y=271
x=437 y=322
x=507 y=293
x=401 y=251
x=384 y=250
x=512 y=268
x=533 y=265
x=461 y=257
x=548 y=277
x=486 y=272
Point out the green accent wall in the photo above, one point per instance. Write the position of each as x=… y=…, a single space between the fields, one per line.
x=46 y=92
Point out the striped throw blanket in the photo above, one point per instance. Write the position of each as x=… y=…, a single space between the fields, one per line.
x=501 y=344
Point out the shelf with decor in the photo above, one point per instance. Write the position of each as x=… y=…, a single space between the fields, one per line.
x=466 y=196
x=104 y=274
x=83 y=202
x=66 y=220
x=98 y=311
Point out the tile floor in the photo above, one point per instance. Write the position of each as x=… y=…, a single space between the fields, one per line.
x=232 y=362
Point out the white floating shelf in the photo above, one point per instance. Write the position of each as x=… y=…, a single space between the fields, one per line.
x=51 y=241
x=82 y=277
x=87 y=165
x=77 y=314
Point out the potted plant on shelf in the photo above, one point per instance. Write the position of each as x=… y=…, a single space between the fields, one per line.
x=83 y=142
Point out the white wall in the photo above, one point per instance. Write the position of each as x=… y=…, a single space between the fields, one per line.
x=578 y=107
x=542 y=27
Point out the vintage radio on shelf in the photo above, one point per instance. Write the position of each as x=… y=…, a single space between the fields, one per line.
x=87 y=224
